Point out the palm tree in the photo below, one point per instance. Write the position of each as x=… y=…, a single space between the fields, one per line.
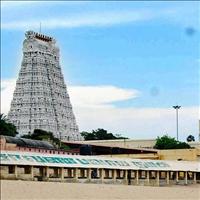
x=2 y=117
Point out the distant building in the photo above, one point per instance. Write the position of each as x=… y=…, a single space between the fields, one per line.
x=40 y=99
x=87 y=148
x=142 y=149
x=8 y=143
x=123 y=143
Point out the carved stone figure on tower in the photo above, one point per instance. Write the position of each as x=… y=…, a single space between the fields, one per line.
x=40 y=99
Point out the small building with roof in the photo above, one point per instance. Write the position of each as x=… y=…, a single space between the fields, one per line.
x=9 y=143
x=96 y=169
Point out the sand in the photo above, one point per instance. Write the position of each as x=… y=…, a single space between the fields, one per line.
x=51 y=190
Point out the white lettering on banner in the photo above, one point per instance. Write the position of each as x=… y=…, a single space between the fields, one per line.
x=27 y=158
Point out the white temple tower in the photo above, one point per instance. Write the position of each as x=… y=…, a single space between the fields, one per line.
x=40 y=99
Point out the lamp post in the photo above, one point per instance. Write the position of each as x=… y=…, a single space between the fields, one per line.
x=177 y=108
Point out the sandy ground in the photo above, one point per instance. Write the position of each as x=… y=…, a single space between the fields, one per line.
x=51 y=190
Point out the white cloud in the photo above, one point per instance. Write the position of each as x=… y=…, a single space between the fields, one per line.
x=184 y=15
x=104 y=18
x=7 y=89
x=81 y=96
x=16 y=4
x=13 y=3
x=139 y=122
x=99 y=96
x=94 y=109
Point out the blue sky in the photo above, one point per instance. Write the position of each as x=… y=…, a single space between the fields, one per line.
x=145 y=56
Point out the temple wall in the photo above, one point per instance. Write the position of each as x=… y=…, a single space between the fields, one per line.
x=178 y=154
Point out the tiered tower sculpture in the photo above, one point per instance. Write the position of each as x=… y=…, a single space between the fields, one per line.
x=40 y=99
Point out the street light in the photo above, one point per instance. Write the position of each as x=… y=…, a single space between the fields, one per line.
x=177 y=108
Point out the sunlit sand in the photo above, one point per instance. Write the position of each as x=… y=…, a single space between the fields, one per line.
x=55 y=190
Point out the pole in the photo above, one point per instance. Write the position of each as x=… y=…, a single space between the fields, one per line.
x=177 y=124
x=177 y=108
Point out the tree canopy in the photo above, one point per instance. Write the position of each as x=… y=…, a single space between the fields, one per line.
x=167 y=142
x=7 y=128
x=100 y=134
x=39 y=134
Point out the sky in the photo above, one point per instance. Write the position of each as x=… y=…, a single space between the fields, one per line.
x=125 y=63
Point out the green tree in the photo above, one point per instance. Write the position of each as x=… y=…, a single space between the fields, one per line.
x=7 y=128
x=39 y=134
x=88 y=136
x=167 y=142
x=100 y=134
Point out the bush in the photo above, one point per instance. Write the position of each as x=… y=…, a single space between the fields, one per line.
x=166 y=142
